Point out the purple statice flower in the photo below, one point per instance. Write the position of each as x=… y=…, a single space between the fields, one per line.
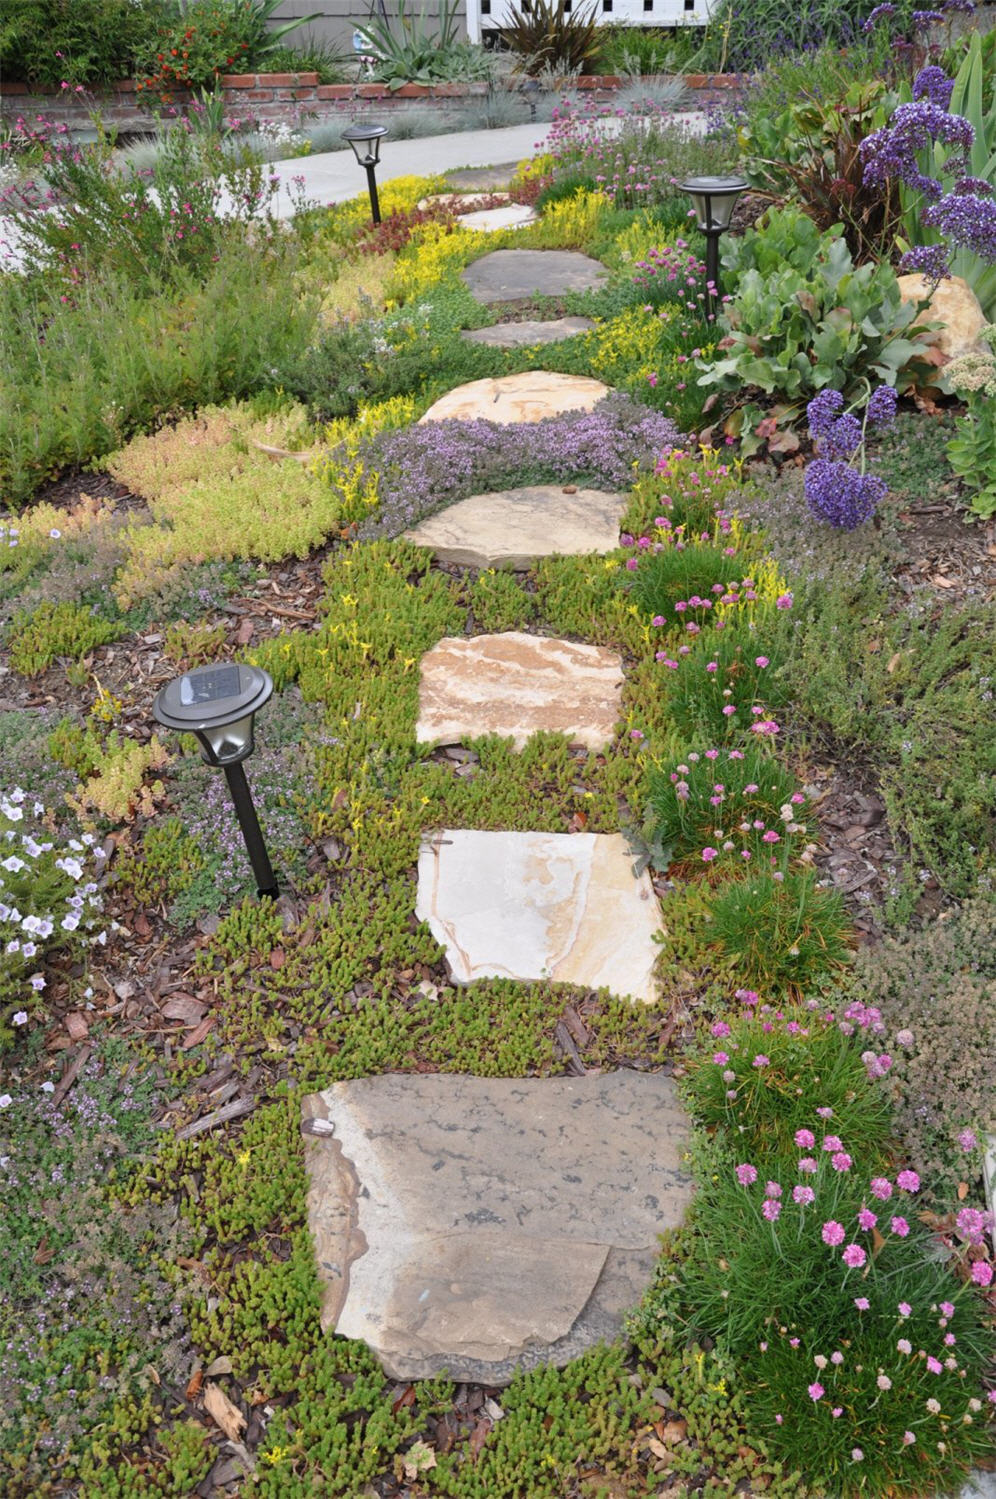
x=842 y=439
x=924 y=19
x=968 y=220
x=892 y=151
x=977 y=185
x=934 y=85
x=823 y=411
x=878 y=14
x=930 y=261
x=839 y=495
x=881 y=408
x=962 y=7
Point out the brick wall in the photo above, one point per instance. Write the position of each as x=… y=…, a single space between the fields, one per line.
x=290 y=97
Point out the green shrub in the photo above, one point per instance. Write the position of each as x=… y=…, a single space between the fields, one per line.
x=36 y=639
x=804 y=318
x=90 y=42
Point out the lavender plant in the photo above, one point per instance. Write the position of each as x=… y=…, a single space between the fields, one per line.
x=837 y=491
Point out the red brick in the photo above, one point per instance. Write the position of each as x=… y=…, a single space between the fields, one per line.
x=238 y=80
x=334 y=91
x=305 y=93
x=450 y=91
x=411 y=91
x=13 y=88
x=126 y=86
x=259 y=94
x=371 y=91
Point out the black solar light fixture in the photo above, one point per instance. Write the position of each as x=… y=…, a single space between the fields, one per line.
x=218 y=705
x=713 y=199
x=365 y=141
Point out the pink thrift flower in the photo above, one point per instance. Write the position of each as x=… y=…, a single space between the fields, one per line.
x=947 y=1307
x=840 y=1161
x=857 y=1455
x=905 y=1309
x=905 y=1346
x=808 y=1164
x=832 y=1143
x=773 y=1189
x=908 y=1181
x=793 y=1342
x=708 y=854
x=881 y=1188
x=854 y=1256
x=720 y=1058
x=746 y=1174
x=982 y=1273
x=761 y=1060
x=899 y=1227
x=908 y=1439
x=934 y=1365
x=805 y=1139
x=833 y=1233
x=968 y=1140
x=771 y=1209
x=816 y=1391
x=867 y=1219
x=862 y=1303
x=825 y=1113
x=720 y=1029
x=837 y=1412
x=803 y=1195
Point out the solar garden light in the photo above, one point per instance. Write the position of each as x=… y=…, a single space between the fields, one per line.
x=365 y=141
x=714 y=199
x=217 y=704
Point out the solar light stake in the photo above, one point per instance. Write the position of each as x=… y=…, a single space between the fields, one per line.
x=218 y=704
x=365 y=141
x=714 y=199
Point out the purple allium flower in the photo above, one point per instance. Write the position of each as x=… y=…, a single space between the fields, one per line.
x=841 y=497
x=934 y=85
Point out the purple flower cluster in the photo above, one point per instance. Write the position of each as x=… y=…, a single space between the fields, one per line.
x=428 y=466
x=968 y=220
x=880 y=13
x=930 y=261
x=836 y=492
x=934 y=85
x=892 y=151
x=839 y=495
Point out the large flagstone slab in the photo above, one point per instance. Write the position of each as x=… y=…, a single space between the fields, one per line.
x=515 y=685
x=530 y=331
x=511 y=275
x=531 y=396
x=564 y=906
x=506 y=216
x=512 y=527
x=480 y=1225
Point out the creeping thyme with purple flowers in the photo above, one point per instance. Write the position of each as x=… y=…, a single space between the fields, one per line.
x=838 y=492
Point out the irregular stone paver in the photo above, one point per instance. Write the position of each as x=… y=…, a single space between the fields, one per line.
x=480 y=1225
x=458 y=200
x=530 y=331
x=512 y=527
x=513 y=216
x=530 y=397
x=481 y=179
x=509 y=275
x=564 y=906
x=514 y=685
x=980 y=1486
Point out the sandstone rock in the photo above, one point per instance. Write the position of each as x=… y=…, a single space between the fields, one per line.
x=564 y=906
x=956 y=307
x=481 y=1225
x=511 y=216
x=515 y=685
x=530 y=397
x=512 y=527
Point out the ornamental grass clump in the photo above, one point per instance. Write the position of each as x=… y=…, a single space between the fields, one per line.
x=836 y=491
x=781 y=930
x=726 y=808
x=861 y=1354
x=756 y=1074
x=48 y=902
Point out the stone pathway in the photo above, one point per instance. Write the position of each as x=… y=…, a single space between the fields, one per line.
x=511 y=275
x=529 y=331
x=530 y=397
x=514 y=216
x=515 y=684
x=475 y=1225
x=512 y=527
x=482 y=1225
x=563 y=906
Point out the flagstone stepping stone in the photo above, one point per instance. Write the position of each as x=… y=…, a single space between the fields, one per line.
x=512 y=216
x=530 y=331
x=483 y=1225
x=458 y=200
x=512 y=527
x=531 y=396
x=514 y=685
x=510 y=275
x=564 y=906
